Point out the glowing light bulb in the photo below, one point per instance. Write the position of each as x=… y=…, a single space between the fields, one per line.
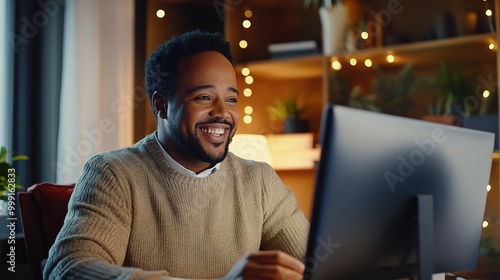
x=249 y=80
x=390 y=58
x=245 y=71
x=488 y=188
x=248 y=13
x=485 y=224
x=247 y=119
x=160 y=13
x=368 y=62
x=248 y=110
x=336 y=65
x=243 y=44
x=353 y=61
x=247 y=92
x=489 y=13
x=246 y=23
x=364 y=35
x=491 y=46
x=486 y=93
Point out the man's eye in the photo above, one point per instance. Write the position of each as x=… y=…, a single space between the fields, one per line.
x=233 y=100
x=203 y=97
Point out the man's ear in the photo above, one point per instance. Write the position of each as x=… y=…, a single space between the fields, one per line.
x=159 y=105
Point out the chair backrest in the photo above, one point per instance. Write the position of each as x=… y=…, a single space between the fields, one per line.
x=43 y=209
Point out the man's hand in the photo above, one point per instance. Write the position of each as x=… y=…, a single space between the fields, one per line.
x=272 y=265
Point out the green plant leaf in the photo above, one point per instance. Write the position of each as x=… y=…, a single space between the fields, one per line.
x=3 y=154
x=19 y=157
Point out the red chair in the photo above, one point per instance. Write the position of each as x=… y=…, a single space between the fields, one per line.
x=43 y=209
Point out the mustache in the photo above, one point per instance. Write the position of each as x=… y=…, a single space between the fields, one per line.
x=217 y=120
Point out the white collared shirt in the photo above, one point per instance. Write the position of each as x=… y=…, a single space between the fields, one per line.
x=181 y=168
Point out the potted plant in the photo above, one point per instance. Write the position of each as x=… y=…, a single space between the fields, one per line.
x=447 y=102
x=289 y=114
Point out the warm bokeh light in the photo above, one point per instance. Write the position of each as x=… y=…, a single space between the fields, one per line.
x=390 y=58
x=248 y=110
x=491 y=46
x=160 y=13
x=246 y=23
x=247 y=119
x=353 y=61
x=486 y=93
x=336 y=65
x=248 y=13
x=489 y=13
x=245 y=71
x=243 y=44
x=247 y=92
x=485 y=224
x=488 y=188
x=249 y=80
x=364 y=35
x=368 y=62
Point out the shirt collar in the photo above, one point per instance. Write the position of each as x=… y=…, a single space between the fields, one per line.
x=174 y=164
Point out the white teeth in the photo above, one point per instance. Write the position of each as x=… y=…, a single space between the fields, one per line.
x=213 y=131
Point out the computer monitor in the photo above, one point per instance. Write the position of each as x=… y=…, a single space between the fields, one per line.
x=367 y=222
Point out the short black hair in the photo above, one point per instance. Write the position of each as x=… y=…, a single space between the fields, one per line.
x=161 y=68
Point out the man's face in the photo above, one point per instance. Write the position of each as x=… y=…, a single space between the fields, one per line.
x=203 y=116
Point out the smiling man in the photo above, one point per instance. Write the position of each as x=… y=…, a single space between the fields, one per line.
x=177 y=204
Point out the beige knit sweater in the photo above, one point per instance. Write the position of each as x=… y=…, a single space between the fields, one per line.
x=131 y=216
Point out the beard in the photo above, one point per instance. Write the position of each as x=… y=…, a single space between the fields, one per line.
x=191 y=144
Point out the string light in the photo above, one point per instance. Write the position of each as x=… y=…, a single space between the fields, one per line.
x=249 y=80
x=247 y=119
x=486 y=93
x=390 y=58
x=245 y=71
x=353 y=61
x=160 y=13
x=336 y=65
x=247 y=92
x=246 y=23
x=243 y=44
x=248 y=110
x=368 y=62
x=485 y=224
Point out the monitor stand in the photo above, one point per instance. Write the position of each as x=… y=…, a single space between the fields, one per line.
x=425 y=205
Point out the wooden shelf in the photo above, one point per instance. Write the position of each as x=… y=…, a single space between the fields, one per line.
x=467 y=49
x=303 y=67
x=471 y=49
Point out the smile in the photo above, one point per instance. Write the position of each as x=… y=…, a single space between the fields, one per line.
x=213 y=131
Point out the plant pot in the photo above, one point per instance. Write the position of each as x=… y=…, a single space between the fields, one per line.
x=334 y=28
x=295 y=126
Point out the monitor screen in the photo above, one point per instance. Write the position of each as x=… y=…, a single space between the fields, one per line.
x=372 y=168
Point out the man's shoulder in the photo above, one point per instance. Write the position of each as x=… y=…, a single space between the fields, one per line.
x=137 y=151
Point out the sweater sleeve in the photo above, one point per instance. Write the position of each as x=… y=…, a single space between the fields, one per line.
x=93 y=241
x=285 y=226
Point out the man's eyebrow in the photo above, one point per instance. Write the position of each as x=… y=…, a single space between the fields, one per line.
x=191 y=90
x=194 y=89
x=234 y=90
